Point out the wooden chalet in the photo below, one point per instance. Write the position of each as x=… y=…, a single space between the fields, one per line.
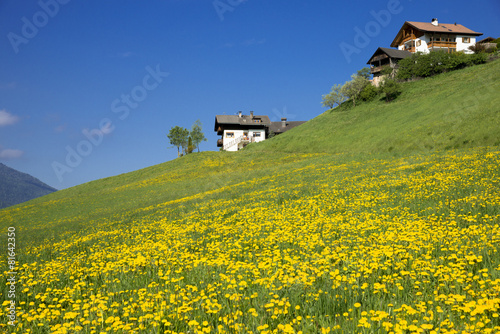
x=433 y=36
x=385 y=58
x=237 y=131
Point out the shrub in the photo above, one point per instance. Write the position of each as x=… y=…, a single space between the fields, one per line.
x=425 y=65
x=368 y=93
x=405 y=69
x=390 y=88
x=477 y=58
x=457 y=61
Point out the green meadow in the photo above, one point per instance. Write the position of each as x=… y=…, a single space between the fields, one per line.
x=383 y=218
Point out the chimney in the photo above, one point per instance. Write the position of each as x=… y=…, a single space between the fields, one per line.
x=435 y=22
x=283 y=122
x=239 y=113
x=251 y=113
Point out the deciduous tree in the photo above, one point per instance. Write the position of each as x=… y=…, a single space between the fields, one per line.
x=178 y=137
x=197 y=135
x=334 y=97
x=353 y=88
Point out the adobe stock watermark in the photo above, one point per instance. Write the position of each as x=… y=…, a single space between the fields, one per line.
x=119 y=106
x=279 y=115
x=223 y=6
x=372 y=29
x=30 y=27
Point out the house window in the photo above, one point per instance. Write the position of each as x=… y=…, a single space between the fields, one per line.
x=257 y=120
x=466 y=39
x=229 y=134
x=419 y=42
x=256 y=134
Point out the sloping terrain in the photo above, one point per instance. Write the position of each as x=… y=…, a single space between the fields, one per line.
x=452 y=110
x=267 y=241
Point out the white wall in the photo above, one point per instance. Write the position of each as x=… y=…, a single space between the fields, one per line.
x=425 y=39
x=239 y=133
x=226 y=139
x=461 y=46
x=423 y=44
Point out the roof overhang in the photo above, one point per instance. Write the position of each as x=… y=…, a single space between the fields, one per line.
x=426 y=27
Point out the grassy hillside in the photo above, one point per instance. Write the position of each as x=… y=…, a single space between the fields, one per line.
x=271 y=242
x=451 y=110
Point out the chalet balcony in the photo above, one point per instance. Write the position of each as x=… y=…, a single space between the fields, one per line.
x=442 y=44
x=381 y=68
x=409 y=37
x=411 y=49
x=247 y=139
x=377 y=69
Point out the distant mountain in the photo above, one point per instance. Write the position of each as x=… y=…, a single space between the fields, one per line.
x=17 y=187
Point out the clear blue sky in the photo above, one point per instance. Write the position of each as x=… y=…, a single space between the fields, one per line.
x=124 y=72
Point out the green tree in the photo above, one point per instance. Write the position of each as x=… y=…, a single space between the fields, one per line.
x=368 y=93
x=334 y=97
x=178 y=137
x=190 y=147
x=365 y=73
x=197 y=135
x=352 y=89
x=391 y=88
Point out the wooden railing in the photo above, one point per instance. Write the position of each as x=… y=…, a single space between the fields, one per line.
x=442 y=44
x=376 y=69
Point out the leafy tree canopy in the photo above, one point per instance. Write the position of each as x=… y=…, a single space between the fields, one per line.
x=334 y=97
x=178 y=137
x=197 y=135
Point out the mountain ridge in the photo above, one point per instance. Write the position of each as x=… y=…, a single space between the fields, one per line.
x=17 y=187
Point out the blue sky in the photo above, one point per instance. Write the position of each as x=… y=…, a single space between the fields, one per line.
x=89 y=89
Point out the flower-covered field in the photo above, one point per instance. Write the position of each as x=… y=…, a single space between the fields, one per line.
x=313 y=244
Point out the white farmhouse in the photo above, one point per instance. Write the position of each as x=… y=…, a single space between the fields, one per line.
x=433 y=36
x=239 y=130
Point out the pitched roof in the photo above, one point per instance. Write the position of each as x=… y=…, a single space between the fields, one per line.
x=277 y=127
x=393 y=53
x=486 y=40
x=443 y=27
x=243 y=120
x=448 y=28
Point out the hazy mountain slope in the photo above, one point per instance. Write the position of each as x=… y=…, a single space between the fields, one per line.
x=17 y=187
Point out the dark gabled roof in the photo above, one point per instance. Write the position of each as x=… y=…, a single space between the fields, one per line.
x=448 y=28
x=392 y=53
x=277 y=127
x=247 y=120
x=487 y=40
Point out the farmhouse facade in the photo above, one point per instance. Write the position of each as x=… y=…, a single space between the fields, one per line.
x=385 y=58
x=434 y=36
x=421 y=37
x=237 y=131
